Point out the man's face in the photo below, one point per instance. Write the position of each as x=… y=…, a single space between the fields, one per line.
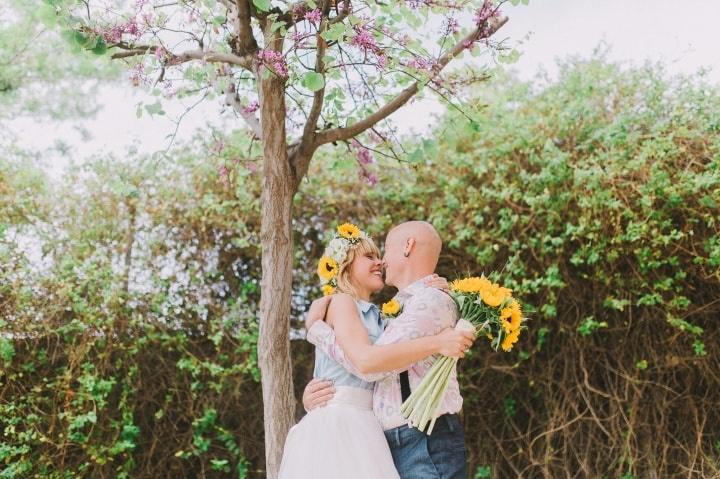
x=393 y=258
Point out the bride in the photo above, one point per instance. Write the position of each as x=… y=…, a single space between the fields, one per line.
x=343 y=439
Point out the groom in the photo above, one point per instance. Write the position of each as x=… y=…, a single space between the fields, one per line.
x=412 y=250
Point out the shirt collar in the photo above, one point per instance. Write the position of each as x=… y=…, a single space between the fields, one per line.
x=411 y=289
x=365 y=306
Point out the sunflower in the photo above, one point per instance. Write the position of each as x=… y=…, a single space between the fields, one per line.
x=349 y=231
x=511 y=317
x=510 y=339
x=391 y=308
x=470 y=285
x=327 y=268
x=494 y=294
x=328 y=289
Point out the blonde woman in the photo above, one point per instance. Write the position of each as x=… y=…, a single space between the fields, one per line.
x=343 y=439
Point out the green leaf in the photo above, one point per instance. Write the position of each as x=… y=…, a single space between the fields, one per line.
x=334 y=33
x=263 y=5
x=7 y=351
x=47 y=15
x=100 y=47
x=313 y=81
x=155 y=108
x=511 y=57
x=483 y=472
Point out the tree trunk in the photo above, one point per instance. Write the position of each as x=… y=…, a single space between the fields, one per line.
x=277 y=261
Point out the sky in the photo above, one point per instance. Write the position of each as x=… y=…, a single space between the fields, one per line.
x=681 y=35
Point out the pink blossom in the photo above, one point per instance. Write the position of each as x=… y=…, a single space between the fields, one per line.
x=382 y=61
x=137 y=75
x=364 y=40
x=251 y=108
x=299 y=9
x=486 y=12
x=370 y=177
x=364 y=156
x=223 y=171
x=420 y=63
x=314 y=16
x=275 y=60
x=451 y=26
x=131 y=27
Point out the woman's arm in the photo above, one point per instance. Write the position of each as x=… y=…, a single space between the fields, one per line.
x=367 y=358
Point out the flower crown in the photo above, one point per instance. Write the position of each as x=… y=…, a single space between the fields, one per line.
x=347 y=236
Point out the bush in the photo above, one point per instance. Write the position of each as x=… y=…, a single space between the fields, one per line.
x=131 y=347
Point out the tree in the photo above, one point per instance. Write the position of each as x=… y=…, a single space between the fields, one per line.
x=340 y=65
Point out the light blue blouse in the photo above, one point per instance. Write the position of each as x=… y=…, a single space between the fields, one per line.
x=328 y=368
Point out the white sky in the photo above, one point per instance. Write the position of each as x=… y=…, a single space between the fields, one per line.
x=681 y=34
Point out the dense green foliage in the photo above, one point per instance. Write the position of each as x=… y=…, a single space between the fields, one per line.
x=128 y=345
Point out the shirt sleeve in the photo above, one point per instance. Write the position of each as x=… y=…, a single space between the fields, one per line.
x=323 y=337
x=425 y=314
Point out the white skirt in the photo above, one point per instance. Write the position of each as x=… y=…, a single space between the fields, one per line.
x=340 y=440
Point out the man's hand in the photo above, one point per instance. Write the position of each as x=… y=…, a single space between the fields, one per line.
x=437 y=282
x=317 y=393
x=454 y=343
x=317 y=311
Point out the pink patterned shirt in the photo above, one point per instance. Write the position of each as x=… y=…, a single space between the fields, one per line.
x=425 y=312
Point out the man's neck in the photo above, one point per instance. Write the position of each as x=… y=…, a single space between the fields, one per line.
x=410 y=278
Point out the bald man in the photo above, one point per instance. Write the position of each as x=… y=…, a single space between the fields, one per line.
x=412 y=250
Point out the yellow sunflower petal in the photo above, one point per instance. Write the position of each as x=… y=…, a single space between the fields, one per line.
x=349 y=231
x=327 y=268
x=391 y=308
x=510 y=340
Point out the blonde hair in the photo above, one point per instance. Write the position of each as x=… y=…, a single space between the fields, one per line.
x=362 y=247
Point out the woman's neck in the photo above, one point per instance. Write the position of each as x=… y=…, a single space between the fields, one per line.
x=363 y=294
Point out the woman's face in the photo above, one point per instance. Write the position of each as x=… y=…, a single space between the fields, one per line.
x=366 y=273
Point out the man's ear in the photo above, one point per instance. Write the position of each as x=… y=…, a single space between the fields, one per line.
x=409 y=245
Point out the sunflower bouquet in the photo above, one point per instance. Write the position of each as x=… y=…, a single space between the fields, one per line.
x=487 y=309
x=345 y=237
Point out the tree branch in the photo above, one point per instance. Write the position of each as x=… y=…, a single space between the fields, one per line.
x=176 y=59
x=232 y=99
x=246 y=40
x=300 y=157
x=339 y=134
x=342 y=15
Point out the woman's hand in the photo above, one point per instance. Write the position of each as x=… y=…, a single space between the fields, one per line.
x=454 y=343
x=437 y=282
x=317 y=311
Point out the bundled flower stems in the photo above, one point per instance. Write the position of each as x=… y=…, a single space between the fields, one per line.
x=487 y=309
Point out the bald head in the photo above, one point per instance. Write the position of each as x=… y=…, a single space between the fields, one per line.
x=412 y=250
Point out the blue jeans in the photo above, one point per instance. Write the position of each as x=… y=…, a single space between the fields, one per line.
x=440 y=455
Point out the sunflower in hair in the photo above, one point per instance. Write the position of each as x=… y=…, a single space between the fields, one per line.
x=349 y=231
x=327 y=268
